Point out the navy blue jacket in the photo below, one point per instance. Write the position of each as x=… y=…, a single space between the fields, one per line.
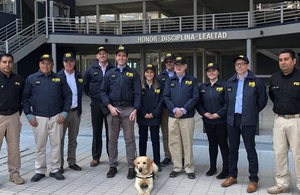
x=151 y=102
x=212 y=100
x=162 y=78
x=46 y=96
x=93 y=78
x=121 y=87
x=184 y=95
x=79 y=84
x=254 y=99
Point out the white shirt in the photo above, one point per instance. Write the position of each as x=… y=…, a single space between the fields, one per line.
x=103 y=69
x=72 y=84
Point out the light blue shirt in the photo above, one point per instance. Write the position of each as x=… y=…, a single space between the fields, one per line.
x=121 y=68
x=170 y=73
x=239 y=95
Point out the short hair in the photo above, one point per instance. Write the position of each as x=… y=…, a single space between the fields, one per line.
x=291 y=52
x=6 y=55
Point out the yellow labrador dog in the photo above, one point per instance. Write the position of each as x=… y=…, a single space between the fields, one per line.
x=146 y=171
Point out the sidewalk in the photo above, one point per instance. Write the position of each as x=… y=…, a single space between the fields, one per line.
x=92 y=180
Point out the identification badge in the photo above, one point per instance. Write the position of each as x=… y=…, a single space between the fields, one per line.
x=157 y=91
x=129 y=74
x=80 y=80
x=219 y=89
x=296 y=83
x=56 y=80
x=252 y=84
x=188 y=82
x=17 y=83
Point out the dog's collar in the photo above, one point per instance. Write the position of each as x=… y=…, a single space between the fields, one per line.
x=147 y=177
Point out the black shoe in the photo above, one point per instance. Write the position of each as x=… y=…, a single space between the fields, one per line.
x=165 y=162
x=211 y=172
x=223 y=174
x=191 y=175
x=159 y=168
x=37 y=177
x=57 y=175
x=75 y=167
x=174 y=174
x=131 y=173
x=112 y=172
x=62 y=169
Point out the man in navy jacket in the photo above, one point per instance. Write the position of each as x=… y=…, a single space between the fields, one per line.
x=245 y=97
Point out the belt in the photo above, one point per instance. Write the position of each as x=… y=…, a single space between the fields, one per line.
x=122 y=104
x=73 y=109
x=289 y=116
x=8 y=112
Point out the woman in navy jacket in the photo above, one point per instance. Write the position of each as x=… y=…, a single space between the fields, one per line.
x=149 y=113
x=212 y=107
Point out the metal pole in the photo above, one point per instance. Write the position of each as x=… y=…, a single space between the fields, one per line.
x=203 y=65
x=249 y=52
x=87 y=25
x=195 y=62
x=53 y=47
x=281 y=13
x=195 y=15
x=144 y=17
x=97 y=18
x=47 y=30
x=53 y=25
x=6 y=46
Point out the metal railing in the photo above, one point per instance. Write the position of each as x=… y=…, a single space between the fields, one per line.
x=256 y=18
x=24 y=37
x=10 y=30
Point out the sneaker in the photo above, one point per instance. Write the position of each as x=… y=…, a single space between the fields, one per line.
x=165 y=162
x=37 y=177
x=111 y=172
x=75 y=167
x=16 y=178
x=57 y=175
x=277 y=190
x=131 y=173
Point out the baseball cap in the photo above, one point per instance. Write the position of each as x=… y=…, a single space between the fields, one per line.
x=122 y=48
x=180 y=59
x=212 y=65
x=242 y=57
x=46 y=57
x=68 y=56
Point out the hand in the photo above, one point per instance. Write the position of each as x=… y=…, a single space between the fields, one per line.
x=60 y=119
x=132 y=115
x=178 y=113
x=208 y=115
x=150 y=115
x=147 y=115
x=33 y=122
x=113 y=110
x=215 y=116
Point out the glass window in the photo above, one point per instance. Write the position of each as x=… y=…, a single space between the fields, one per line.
x=8 y=6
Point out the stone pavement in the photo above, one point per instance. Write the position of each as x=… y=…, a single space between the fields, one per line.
x=92 y=180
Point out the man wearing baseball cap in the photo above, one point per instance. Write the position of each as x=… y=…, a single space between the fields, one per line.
x=246 y=96
x=75 y=82
x=121 y=93
x=93 y=79
x=47 y=99
x=162 y=78
x=181 y=95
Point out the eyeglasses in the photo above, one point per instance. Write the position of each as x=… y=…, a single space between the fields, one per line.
x=240 y=64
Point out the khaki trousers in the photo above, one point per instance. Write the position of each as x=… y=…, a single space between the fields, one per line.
x=10 y=128
x=47 y=127
x=165 y=132
x=181 y=132
x=286 y=133
x=114 y=124
x=72 y=124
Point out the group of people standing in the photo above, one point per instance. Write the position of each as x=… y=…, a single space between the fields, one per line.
x=52 y=104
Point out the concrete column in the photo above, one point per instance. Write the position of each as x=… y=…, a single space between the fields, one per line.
x=251 y=9
x=51 y=12
x=249 y=53
x=203 y=65
x=144 y=17
x=98 y=18
x=143 y=60
x=195 y=63
x=159 y=68
x=53 y=47
x=158 y=25
x=195 y=15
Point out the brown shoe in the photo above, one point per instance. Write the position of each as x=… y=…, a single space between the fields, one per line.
x=94 y=163
x=229 y=181
x=16 y=178
x=252 y=187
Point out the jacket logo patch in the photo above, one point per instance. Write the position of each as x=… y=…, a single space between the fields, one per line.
x=297 y=83
x=188 y=82
x=129 y=74
x=56 y=80
x=229 y=89
x=252 y=84
x=163 y=79
x=202 y=91
x=95 y=73
x=17 y=83
x=172 y=84
x=113 y=75
x=37 y=82
x=80 y=80
x=157 y=91
x=219 y=89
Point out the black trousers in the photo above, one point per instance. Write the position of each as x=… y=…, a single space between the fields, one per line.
x=217 y=136
x=248 y=134
x=97 y=124
x=154 y=131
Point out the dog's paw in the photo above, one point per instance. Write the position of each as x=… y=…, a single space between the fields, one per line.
x=141 y=193
x=147 y=193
